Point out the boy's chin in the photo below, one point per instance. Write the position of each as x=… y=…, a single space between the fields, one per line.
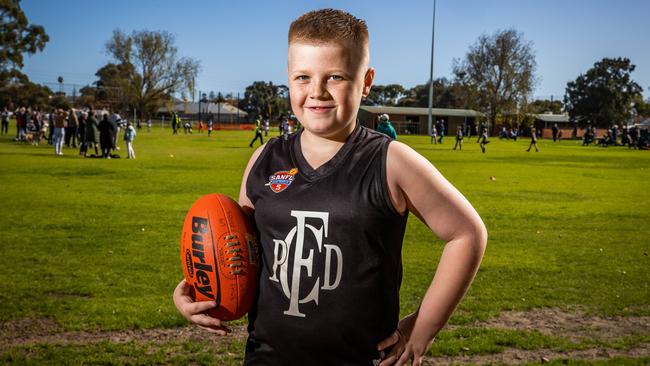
x=325 y=128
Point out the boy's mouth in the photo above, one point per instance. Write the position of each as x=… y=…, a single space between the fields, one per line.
x=320 y=109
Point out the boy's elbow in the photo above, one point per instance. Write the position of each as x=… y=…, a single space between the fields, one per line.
x=481 y=237
x=476 y=239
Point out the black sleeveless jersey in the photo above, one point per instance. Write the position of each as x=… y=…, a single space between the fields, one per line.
x=331 y=245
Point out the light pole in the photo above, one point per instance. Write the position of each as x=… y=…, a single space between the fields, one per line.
x=433 y=37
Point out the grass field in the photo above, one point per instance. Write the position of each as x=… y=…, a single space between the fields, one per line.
x=90 y=248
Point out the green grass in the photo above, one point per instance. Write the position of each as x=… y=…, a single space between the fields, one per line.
x=93 y=244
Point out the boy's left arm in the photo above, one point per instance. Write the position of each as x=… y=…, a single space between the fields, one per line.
x=414 y=184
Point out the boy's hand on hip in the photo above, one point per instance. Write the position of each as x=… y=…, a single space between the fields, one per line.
x=194 y=310
x=404 y=349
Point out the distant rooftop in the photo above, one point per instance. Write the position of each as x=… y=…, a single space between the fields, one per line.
x=553 y=118
x=423 y=111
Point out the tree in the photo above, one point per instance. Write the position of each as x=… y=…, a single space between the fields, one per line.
x=604 y=95
x=446 y=94
x=386 y=95
x=148 y=70
x=18 y=37
x=545 y=106
x=642 y=107
x=115 y=87
x=501 y=67
x=267 y=100
x=25 y=94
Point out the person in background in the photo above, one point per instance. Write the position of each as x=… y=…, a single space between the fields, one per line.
x=71 y=130
x=92 y=133
x=434 y=135
x=50 y=119
x=210 y=123
x=533 y=140
x=59 y=130
x=483 y=139
x=5 y=121
x=386 y=127
x=129 y=136
x=175 y=123
x=459 y=138
x=106 y=131
x=258 y=132
x=81 y=132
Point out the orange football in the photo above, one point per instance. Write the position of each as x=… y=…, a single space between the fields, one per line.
x=219 y=254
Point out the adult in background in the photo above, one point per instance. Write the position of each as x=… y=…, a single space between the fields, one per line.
x=92 y=132
x=129 y=136
x=59 y=130
x=175 y=123
x=106 y=132
x=50 y=119
x=210 y=127
x=386 y=127
x=258 y=133
x=482 y=127
x=4 y=116
x=555 y=130
x=81 y=132
x=483 y=139
x=37 y=122
x=615 y=135
x=71 y=130
x=116 y=121
x=459 y=138
x=20 y=121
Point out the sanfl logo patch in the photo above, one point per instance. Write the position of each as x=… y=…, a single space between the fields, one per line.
x=279 y=181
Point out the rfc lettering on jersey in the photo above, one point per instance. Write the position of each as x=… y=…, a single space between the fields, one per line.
x=293 y=247
x=279 y=181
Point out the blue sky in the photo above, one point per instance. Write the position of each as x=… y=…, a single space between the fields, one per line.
x=241 y=42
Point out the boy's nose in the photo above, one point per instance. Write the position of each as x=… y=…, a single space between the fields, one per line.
x=318 y=90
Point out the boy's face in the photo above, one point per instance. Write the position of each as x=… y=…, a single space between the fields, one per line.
x=326 y=83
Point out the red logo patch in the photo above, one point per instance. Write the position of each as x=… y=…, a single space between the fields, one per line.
x=279 y=181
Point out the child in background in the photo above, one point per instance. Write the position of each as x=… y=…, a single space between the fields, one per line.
x=484 y=140
x=331 y=239
x=533 y=140
x=129 y=136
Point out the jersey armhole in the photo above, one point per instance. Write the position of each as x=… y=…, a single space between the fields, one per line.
x=265 y=151
x=384 y=182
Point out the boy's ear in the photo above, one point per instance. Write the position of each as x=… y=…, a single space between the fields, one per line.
x=367 y=81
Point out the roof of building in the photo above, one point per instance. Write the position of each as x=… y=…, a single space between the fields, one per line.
x=547 y=117
x=422 y=111
x=214 y=108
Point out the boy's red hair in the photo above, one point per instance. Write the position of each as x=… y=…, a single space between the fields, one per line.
x=329 y=26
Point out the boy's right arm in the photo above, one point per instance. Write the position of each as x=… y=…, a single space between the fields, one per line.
x=192 y=310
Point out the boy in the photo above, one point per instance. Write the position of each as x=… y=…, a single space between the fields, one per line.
x=331 y=239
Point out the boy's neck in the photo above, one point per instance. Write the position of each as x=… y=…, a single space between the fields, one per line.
x=318 y=150
x=335 y=138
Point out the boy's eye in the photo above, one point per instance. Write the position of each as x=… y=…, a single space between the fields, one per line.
x=336 y=77
x=302 y=77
